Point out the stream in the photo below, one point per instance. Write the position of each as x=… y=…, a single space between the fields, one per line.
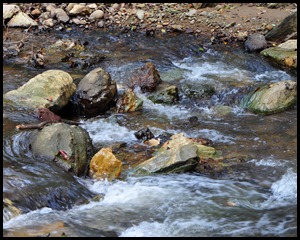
x=256 y=198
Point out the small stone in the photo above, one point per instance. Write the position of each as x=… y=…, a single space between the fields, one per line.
x=231 y=204
x=48 y=22
x=36 y=12
x=98 y=14
x=140 y=14
x=101 y=24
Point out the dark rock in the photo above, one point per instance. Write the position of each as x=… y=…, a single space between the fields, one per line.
x=144 y=133
x=286 y=27
x=96 y=92
x=44 y=114
x=255 y=42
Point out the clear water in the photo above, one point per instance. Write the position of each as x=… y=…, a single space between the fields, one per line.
x=257 y=198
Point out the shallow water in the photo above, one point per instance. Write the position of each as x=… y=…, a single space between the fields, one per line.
x=257 y=198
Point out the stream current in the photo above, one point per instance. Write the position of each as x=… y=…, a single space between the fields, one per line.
x=257 y=198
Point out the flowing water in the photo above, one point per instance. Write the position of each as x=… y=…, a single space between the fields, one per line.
x=256 y=198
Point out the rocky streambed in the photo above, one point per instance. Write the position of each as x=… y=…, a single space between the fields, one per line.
x=162 y=129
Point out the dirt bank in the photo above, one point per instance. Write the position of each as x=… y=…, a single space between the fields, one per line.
x=221 y=22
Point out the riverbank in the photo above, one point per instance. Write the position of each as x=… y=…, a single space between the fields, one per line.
x=225 y=22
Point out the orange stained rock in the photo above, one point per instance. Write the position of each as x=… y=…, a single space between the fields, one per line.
x=104 y=164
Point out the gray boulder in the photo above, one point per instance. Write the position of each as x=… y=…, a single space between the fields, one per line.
x=96 y=92
x=69 y=146
x=255 y=42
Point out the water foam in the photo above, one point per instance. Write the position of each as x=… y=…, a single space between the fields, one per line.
x=107 y=131
x=171 y=112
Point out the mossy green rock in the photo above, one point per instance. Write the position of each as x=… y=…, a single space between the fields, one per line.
x=272 y=98
x=167 y=95
x=282 y=56
x=50 y=89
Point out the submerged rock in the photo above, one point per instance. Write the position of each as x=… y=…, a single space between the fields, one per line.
x=166 y=95
x=197 y=90
x=68 y=145
x=272 y=98
x=51 y=89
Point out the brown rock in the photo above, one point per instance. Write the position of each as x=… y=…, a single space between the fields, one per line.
x=146 y=77
x=44 y=114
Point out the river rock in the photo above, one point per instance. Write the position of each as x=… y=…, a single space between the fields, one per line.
x=197 y=90
x=48 y=22
x=179 y=154
x=282 y=55
x=286 y=27
x=79 y=9
x=10 y=10
x=146 y=77
x=290 y=44
x=62 y=49
x=69 y=146
x=104 y=165
x=96 y=92
x=98 y=14
x=51 y=89
x=61 y=15
x=21 y=20
x=167 y=95
x=140 y=14
x=255 y=42
x=129 y=102
x=272 y=98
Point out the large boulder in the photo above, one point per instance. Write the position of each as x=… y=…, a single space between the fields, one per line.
x=96 y=92
x=272 y=98
x=146 y=77
x=286 y=27
x=179 y=154
x=104 y=165
x=51 y=89
x=68 y=145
